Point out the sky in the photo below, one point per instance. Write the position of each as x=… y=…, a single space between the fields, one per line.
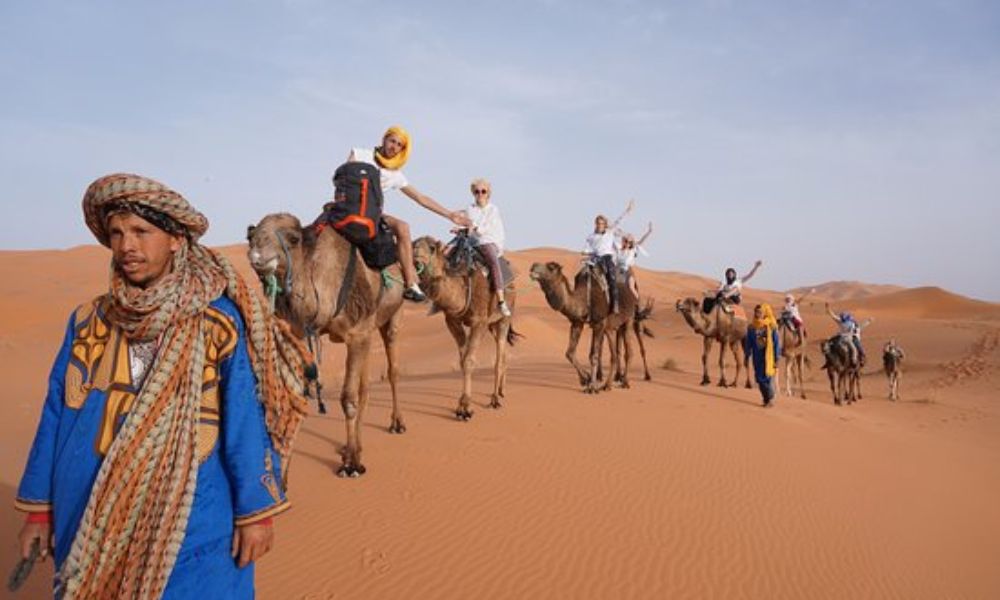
x=852 y=140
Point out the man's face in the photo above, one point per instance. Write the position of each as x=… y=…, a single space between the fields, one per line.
x=142 y=251
x=392 y=145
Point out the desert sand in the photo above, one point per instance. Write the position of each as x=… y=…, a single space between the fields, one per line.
x=667 y=490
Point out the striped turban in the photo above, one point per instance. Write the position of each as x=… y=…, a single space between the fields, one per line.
x=145 y=197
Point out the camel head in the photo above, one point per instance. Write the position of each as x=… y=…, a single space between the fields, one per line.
x=273 y=242
x=428 y=256
x=546 y=273
x=688 y=306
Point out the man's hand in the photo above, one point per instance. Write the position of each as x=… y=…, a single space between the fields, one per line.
x=758 y=263
x=458 y=217
x=35 y=531
x=250 y=542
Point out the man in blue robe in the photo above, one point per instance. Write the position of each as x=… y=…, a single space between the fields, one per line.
x=157 y=465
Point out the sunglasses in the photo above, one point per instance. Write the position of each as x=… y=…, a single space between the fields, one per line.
x=479 y=192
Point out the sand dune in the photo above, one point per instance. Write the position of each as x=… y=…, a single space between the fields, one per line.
x=662 y=491
x=837 y=291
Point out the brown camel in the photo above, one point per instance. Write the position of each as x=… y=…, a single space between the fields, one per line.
x=470 y=309
x=892 y=362
x=323 y=293
x=793 y=350
x=843 y=368
x=574 y=304
x=729 y=329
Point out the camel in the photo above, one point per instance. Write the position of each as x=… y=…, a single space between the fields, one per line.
x=793 y=350
x=843 y=369
x=892 y=362
x=573 y=303
x=323 y=293
x=468 y=313
x=729 y=329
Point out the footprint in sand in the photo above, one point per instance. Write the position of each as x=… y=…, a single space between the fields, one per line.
x=375 y=561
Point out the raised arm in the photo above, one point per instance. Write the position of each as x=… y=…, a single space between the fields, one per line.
x=866 y=322
x=645 y=236
x=455 y=216
x=804 y=296
x=832 y=314
x=752 y=272
x=628 y=209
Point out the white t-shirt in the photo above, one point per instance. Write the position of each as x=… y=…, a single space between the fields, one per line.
x=793 y=310
x=391 y=179
x=729 y=290
x=626 y=258
x=487 y=224
x=601 y=244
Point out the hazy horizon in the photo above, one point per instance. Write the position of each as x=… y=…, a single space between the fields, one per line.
x=856 y=141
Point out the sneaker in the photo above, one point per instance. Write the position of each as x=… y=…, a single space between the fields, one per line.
x=414 y=294
x=504 y=310
x=433 y=310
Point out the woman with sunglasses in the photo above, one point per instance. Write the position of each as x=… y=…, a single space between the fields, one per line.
x=487 y=234
x=390 y=158
x=628 y=252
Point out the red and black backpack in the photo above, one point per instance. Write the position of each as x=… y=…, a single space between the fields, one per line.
x=357 y=202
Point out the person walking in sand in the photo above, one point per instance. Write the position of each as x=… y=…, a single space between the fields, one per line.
x=763 y=345
x=162 y=449
x=390 y=158
x=627 y=255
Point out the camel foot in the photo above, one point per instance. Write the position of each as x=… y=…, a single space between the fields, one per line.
x=747 y=386
x=322 y=408
x=495 y=402
x=803 y=396
x=352 y=471
x=397 y=426
x=647 y=377
x=837 y=401
x=706 y=381
x=463 y=414
x=722 y=383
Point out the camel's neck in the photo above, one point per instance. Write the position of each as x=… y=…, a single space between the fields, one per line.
x=449 y=293
x=700 y=322
x=560 y=297
x=317 y=276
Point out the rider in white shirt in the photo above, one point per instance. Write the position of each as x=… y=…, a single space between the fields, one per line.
x=390 y=158
x=487 y=234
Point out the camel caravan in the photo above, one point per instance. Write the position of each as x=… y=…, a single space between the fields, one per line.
x=347 y=274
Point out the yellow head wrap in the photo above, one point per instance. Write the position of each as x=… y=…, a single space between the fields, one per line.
x=767 y=322
x=396 y=162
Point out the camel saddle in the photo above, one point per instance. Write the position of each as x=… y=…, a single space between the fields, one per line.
x=466 y=260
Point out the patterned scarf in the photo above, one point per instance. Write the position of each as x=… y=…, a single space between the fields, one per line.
x=767 y=323
x=134 y=523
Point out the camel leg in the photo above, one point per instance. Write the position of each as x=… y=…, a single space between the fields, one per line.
x=623 y=338
x=637 y=329
x=722 y=365
x=457 y=332
x=500 y=364
x=575 y=330
x=614 y=364
x=357 y=353
x=736 y=347
x=800 y=361
x=596 y=340
x=833 y=386
x=390 y=332
x=463 y=412
x=706 y=349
